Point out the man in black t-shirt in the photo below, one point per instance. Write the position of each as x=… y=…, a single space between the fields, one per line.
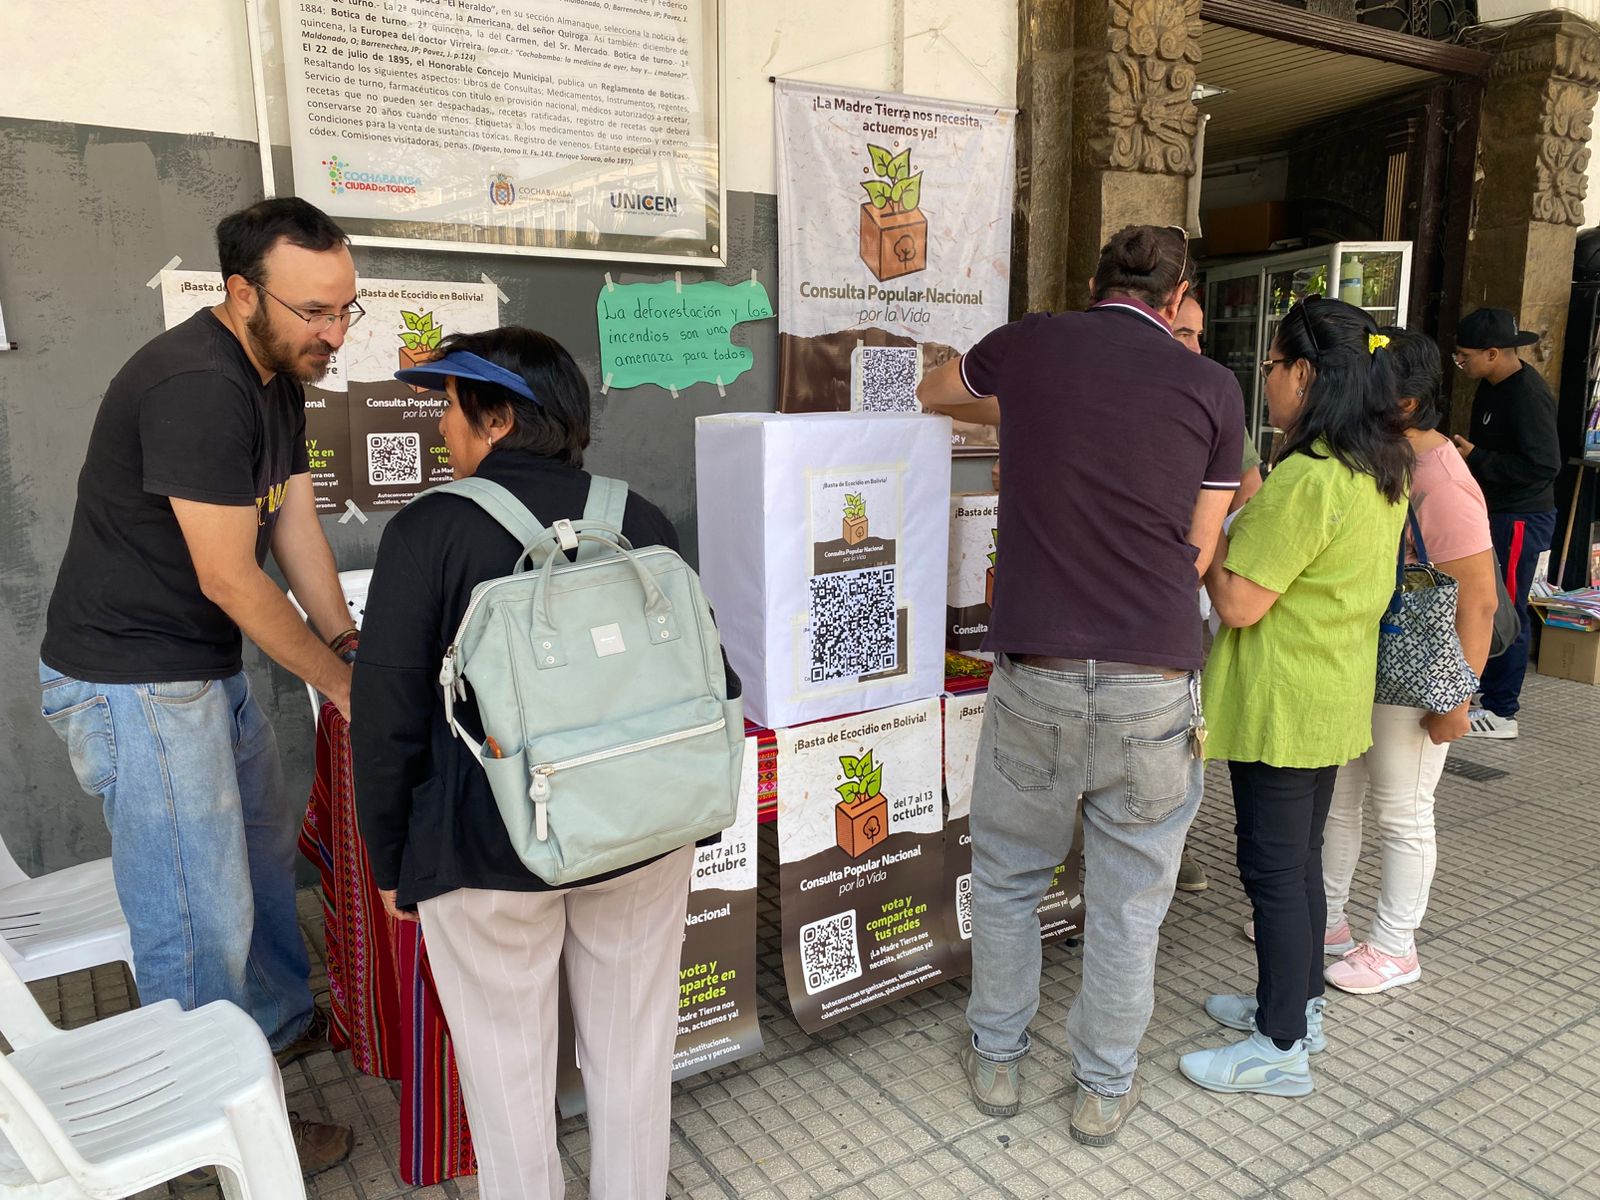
x=196 y=467
x=1514 y=452
x=1122 y=452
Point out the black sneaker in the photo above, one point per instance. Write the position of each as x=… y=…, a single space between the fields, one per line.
x=312 y=1041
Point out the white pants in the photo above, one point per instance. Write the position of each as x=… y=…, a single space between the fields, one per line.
x=495 y=955
x=1400 y=774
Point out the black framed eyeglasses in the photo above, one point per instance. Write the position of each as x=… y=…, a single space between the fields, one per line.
x=320 y=322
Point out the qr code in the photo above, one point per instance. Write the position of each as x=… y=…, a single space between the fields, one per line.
x=886 y=379
x=964 y=904
x=829 y=955
x=394 y=458
x=854 y=629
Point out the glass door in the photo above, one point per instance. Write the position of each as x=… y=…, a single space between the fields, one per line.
x=1233 y=320
x=1286 y=287
x=1372 y=279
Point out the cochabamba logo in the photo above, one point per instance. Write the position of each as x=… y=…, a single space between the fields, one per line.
x=502 y=191
x=342 y=178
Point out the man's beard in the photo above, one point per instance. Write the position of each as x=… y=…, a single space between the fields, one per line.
x=278 y=355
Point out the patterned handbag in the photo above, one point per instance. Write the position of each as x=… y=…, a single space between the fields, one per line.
x=1420 y=664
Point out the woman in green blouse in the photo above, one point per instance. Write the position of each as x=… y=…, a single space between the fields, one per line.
x=1300 y=585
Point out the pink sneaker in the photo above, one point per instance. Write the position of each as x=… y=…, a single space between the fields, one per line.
x=1336 y=941
x=1366 y=970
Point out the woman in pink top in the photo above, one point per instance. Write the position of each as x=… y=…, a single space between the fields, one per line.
x=1409 y=745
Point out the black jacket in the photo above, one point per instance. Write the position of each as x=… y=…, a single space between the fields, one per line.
x=1516 y=450
x=423 y=805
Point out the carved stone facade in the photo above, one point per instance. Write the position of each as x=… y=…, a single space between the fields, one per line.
x=1562 y=161
x=1152 y=52
x=1532 y=158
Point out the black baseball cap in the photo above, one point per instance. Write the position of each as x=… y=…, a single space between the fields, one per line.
x=1491 y=329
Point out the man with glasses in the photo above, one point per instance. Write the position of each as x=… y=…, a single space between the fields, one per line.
x=196 y=467
x=1514 y=452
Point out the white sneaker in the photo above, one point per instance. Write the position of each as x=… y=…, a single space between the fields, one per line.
x=1485 y=724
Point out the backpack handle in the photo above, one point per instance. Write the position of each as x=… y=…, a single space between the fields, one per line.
x=550 y=544
x=657 y=608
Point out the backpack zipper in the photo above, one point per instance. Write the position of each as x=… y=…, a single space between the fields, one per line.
x=539 y=789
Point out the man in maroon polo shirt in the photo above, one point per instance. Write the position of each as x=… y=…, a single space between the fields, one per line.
x=1122 y=452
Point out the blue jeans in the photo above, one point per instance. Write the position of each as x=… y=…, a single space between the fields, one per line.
x=1519 y=539
x=202 y=839
x=1122 y=742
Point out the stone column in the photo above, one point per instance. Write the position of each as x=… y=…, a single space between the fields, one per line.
x=1133 y=122
x=1528 y=189
x=1044 y=156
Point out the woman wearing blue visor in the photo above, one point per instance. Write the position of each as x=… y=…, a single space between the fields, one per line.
x=497 y=935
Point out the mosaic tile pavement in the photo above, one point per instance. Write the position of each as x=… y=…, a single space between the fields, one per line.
x=1482 y=1080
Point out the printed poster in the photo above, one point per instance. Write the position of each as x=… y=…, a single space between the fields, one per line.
x=861 y=850
x=857 y=625
x=1061 y=910
x=396 y=450
x=717 y=978
x=894 y=244
x=562 y=125
x=717 y=971
x=184 y=293
x=370 y=437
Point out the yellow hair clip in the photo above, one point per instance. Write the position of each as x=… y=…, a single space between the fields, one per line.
x=1376 y=341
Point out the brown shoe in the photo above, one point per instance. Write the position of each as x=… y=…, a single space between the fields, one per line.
x=312 y=1041
x=320 y=1146
x=1096 y=1119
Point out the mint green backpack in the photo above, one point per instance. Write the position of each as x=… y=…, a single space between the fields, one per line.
x=609 y=734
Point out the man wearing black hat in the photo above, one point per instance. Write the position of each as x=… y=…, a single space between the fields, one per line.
x=1515 y=455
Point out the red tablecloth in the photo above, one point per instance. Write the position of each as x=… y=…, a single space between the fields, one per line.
x=384 y=1007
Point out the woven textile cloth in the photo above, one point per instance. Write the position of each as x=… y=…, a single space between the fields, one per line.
x=381 y=995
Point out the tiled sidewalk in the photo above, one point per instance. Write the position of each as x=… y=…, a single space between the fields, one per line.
x=1482 y=1080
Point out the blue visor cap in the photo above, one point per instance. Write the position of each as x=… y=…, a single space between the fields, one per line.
x=465 y=365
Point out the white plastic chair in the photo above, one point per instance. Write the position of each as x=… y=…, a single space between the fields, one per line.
x=130 y=1102
x=355 y=584
x=68 y=920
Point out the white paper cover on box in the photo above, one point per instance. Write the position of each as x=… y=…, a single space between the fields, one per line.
x=823 y=547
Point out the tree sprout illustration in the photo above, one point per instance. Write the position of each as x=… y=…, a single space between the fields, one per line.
x=861 y=817
x=894 y=232
x=896 y=189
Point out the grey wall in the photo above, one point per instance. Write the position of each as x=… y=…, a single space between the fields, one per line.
x=87 y=216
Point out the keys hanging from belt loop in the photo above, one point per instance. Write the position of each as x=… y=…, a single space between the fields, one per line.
x=1197 y=728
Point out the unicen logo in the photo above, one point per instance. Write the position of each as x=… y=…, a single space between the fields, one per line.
x=342 y=178
x=644 y=202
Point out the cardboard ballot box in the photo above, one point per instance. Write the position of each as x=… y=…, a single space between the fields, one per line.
x=823 y=545
x=974 y=546
x=1570 y=654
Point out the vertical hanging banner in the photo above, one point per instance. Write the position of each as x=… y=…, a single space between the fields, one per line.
x=894 y=244
x=717 y=977
x=185 y=293
x=1061 y=910
x=860 y=851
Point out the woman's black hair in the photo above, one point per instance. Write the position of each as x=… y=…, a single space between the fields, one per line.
x=558 y=427
x=1147 y=262
x=1418 y=375
x=1350 y=402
